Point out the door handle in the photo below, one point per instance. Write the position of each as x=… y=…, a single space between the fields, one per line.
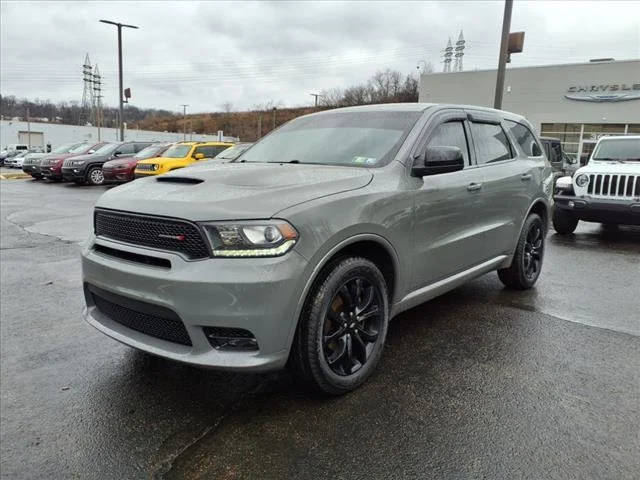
x=474 y=187
x=525 y=176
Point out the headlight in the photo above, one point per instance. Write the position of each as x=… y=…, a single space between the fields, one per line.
x=77 y=163
x=268 y=238
x=582 y=180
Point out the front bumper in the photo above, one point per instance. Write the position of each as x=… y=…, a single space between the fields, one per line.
x=51 y=172
x=139 y=174
x=124 y=174
x=260 y=295
x=32 y=170
x=74 y=174
x=590 y=209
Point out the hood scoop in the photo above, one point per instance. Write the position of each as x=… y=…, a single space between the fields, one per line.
x=184 y=180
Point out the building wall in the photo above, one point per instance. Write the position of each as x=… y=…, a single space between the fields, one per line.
x=538 y=93
x=57 y=134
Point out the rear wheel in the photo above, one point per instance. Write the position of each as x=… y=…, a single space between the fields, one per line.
x=342 y=328
x=95 y=176
x=527 y=259
x=564 y=222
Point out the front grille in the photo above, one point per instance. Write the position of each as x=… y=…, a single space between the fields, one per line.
x=161 y=233
x=144 y=167
x=169 y=329
x=613 y=186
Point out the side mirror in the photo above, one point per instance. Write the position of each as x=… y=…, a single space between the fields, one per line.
x=91 y=151
x=199 y=156
x=570 y=160
x=437 y=160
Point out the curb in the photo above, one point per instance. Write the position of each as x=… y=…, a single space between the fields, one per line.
x=14 y=176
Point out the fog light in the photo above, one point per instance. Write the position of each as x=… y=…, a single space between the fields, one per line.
x=222 y=338
x=570 y=204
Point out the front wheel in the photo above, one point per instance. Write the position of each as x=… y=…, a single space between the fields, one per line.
x=343 y=327
x=527 y=259
x=564 y=222
x=95 y=176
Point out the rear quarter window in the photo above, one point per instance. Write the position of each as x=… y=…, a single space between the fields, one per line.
x=524 y=138
x=491 y=143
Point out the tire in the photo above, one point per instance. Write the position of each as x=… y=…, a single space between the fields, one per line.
x=95 y=176
x=327 y=353
x=527 y=259
x=564 y=222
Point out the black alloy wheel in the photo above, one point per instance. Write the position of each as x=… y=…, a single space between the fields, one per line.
x=526 y=264
x=342 y=328
x=351 y=326
x=532 y=258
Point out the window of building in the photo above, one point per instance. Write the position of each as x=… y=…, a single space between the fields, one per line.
x=451 y=134
x=491 y=143
x=525 y=139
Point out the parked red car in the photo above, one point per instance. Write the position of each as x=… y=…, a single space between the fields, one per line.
x=121 y=169
x=51 y=166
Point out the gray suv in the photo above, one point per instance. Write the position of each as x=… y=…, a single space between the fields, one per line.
x=300 y=252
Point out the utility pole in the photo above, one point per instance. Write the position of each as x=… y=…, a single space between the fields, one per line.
x=28 y=129
x=120 y=90
x=315 y=95
x=502 y=59
x=184 y=121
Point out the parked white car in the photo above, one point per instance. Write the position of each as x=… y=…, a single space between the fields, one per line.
x=605 y=190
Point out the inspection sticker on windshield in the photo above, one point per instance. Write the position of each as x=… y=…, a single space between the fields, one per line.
x=365 y=160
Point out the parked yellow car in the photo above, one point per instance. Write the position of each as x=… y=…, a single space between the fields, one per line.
x=180 y=155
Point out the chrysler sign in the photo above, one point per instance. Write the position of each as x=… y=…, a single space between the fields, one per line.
x=612 y=92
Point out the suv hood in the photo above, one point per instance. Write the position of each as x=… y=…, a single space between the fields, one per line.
x=233 y=191
x=594 y=166
x=120 y=162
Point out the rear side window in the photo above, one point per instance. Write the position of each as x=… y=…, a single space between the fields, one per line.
x=491 y=143
x=126 y=149
x=451 y=134
x=525 y=139
x=141 y=146
x=208 y=151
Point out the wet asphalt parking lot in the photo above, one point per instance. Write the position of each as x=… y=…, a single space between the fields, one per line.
x=480 y=383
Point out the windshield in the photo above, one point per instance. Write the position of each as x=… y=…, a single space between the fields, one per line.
x=232 y=152
x=67 y=147
x=107 y=148
x=358 y=139
x=150 y=151
x=177 y=151
x=619 y=149
x=80 y=148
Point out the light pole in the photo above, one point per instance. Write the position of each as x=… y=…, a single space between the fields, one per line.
x=184 y=121
x=120 y=91
x=315 y=96
x=502 y=59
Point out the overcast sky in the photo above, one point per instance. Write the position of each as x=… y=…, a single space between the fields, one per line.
x=206 y=54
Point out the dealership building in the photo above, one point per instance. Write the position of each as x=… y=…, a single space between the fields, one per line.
x=577 y=103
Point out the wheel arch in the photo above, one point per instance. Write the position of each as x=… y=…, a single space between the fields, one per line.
x=371 y=246
x=541 y=208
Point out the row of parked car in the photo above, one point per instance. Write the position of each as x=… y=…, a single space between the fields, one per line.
x=119 y=162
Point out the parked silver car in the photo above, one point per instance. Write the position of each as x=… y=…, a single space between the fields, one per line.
x=301 y=251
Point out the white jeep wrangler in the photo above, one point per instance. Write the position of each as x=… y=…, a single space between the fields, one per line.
x=605 y=190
